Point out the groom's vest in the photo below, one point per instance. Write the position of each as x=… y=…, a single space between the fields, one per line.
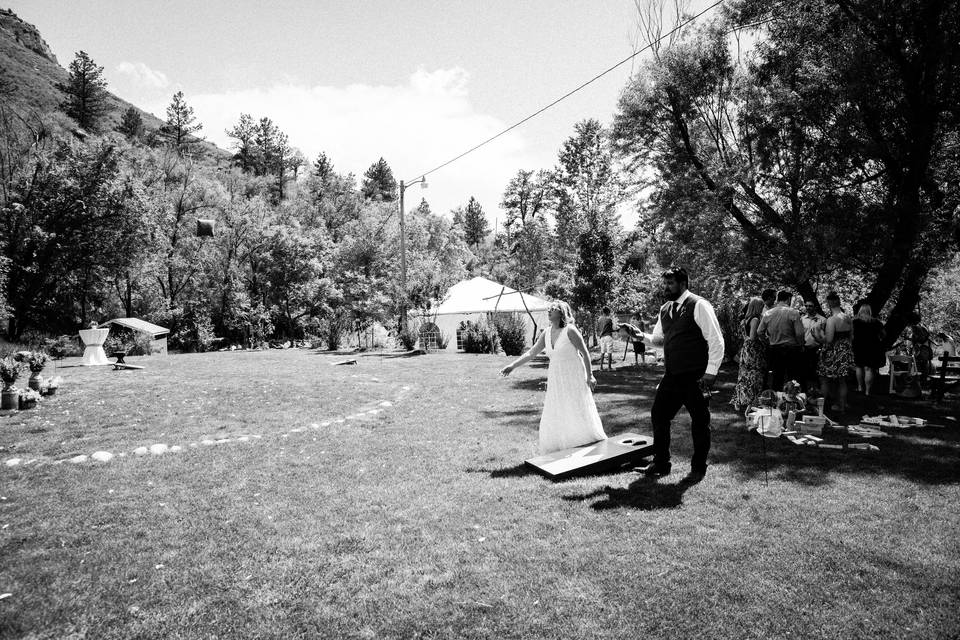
x=684 y=347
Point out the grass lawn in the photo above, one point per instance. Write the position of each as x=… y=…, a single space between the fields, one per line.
x=389 y=500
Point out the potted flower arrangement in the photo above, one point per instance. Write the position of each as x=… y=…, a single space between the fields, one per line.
x=50 y=386
x=37 y=360
x=9 y=372
x=29 y=398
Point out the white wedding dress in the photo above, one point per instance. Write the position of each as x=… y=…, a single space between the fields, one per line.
x=570 y=417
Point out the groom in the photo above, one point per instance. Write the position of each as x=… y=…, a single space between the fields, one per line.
x=688 y=330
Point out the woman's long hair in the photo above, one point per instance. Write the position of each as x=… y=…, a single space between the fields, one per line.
x=754 y=310
x=865 y=312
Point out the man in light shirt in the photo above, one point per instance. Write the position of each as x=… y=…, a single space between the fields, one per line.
x=784 y=330
x=688 y=330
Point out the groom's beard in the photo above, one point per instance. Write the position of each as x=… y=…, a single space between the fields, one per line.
x=670 y=296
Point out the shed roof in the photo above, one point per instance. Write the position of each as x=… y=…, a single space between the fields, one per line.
x=142 y=326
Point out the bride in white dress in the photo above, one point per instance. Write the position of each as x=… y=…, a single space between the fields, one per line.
x=570 y=417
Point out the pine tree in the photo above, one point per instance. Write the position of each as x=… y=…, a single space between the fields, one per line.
x=181 y=124
x=131 y=125
x=86 y=92
x=244 y=132
x=475 y=225
x=379 y=183
x=323 y=166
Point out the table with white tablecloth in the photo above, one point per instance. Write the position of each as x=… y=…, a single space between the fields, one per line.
x=93 y=340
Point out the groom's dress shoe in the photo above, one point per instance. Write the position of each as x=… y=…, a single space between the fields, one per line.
x=697 y=471
x=655 y=470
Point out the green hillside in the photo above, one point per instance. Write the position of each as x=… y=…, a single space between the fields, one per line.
x=30 y=72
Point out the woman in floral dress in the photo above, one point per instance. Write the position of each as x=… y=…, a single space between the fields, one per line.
x=836 y=357
x=753 y=358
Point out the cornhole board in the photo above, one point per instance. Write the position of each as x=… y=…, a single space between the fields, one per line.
x=605 y=454
x=117 y=366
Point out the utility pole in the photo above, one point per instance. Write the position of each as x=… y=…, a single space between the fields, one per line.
x=403 y=249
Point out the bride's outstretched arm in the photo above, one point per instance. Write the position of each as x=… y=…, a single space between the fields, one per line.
x=577 y=341
x=526 y=357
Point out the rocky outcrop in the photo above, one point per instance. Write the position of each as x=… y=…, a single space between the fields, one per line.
x=25 y=34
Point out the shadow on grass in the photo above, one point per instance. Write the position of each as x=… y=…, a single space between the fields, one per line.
x=645 y=494
x=521 y=470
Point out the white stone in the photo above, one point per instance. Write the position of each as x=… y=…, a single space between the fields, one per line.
x=175 y=448
x=158 y=449
x=193 y=444
x=78 y=459
x=207 y=443
x=314 y=426
x=243 y=439
x=12 y=462
x=386 y=403
x=102 y=456
x=325 y=423
x=141 y=451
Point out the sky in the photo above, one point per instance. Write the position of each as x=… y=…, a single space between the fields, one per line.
x=415 y=82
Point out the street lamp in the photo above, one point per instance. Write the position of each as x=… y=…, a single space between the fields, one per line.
x=403 y=248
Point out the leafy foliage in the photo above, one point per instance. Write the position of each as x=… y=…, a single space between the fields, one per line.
x=478 y=337
x=511 y=332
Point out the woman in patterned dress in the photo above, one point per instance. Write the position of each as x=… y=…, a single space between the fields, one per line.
x=753 y=358
x=836 y=357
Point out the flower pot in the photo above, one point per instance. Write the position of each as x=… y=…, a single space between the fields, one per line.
x=51 y=391
x=10 y=399
x=35 y=382
x=27 y=404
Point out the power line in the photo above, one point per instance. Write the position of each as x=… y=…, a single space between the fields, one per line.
x=570 y=93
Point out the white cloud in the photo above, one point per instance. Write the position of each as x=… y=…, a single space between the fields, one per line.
x=142 y=76
x=415 y=127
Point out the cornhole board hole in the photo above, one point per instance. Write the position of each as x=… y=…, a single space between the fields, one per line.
x=592 y=458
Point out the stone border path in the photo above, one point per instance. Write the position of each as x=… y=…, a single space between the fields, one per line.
x=161 y=448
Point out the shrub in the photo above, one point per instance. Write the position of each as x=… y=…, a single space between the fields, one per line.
x=408 y=337
x=191 y=327
x=62 y=347
x=125 y=339
x=478 y=337
x=512 y=332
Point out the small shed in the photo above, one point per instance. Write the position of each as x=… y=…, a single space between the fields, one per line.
x=158 y=335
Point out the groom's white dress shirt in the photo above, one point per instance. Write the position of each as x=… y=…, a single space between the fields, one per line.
x=706 y=319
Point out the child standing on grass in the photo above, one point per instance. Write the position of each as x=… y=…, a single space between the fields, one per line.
x=605 y=331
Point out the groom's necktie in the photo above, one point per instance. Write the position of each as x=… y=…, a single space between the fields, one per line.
x=674 y=307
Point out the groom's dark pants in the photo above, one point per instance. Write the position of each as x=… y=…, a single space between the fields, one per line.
x=675 y=391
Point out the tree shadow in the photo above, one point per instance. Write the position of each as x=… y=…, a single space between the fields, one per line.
x=644 y=494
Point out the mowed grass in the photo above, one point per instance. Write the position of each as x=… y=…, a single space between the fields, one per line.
x=422 y=522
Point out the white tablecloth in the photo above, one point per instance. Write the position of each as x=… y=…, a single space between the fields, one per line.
x=93 y=339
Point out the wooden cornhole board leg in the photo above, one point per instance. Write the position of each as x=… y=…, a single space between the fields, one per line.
x=592 y=458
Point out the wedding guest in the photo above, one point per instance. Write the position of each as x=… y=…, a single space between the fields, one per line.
x=920 y=347
x=634 y=335
x=605 y=331
x=753 y=358
x=688 y=329
x=784 y=331
x=570 y=416
x=868 y=353
x=769 y=297
x=836 y=356
x=812 y=334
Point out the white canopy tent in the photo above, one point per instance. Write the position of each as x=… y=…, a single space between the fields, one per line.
x=476 y=298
